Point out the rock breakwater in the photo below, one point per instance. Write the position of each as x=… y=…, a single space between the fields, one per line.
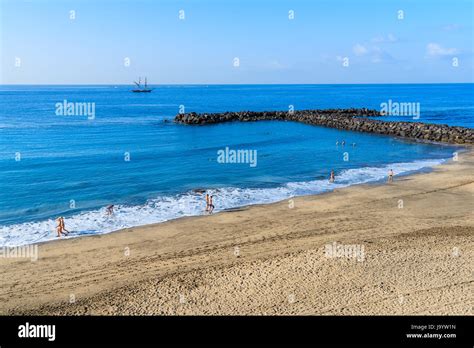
x=346 y=119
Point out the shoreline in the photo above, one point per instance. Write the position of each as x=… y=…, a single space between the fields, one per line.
x=224 y=263
x=460 y=149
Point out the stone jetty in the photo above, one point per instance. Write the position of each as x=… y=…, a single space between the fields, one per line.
x=346 y=119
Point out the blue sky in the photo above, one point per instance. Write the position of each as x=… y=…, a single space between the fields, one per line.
x=52 y=48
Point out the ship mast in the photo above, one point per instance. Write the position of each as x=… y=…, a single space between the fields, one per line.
x=138 y=83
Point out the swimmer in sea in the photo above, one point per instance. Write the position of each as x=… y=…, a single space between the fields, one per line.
x=331 y=177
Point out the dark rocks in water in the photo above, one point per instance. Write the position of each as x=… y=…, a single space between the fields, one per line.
x=347 y=119
x=202 y=190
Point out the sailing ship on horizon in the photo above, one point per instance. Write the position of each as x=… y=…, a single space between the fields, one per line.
x=140 y=88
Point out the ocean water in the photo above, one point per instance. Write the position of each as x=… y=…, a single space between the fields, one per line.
x=53 y=165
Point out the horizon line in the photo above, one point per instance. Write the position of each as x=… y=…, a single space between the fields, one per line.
x=237 y=84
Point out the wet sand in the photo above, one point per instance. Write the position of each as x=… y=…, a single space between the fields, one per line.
x=417 y=236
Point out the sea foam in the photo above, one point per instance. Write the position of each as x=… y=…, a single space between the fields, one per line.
x=191 y=204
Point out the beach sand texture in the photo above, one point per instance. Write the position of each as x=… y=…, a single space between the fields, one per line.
x=271 y=259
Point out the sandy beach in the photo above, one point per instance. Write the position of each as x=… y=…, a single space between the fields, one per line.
x=415 y=239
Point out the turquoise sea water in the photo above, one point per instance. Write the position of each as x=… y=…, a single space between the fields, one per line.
x=73 y=166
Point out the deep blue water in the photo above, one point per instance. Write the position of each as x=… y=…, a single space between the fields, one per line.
x=66 y=158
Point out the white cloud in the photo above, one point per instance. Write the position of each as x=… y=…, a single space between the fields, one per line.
x=436 y=50
x=452 y=27
x=276 y=65
x=360 y=50
x=374 y=54
x=390 y=38
x=371 y=52
x=379 y=55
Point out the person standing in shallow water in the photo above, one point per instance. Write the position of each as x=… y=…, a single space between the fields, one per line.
x=390 y=176
x=332 y=177
x=211 y=205
x=207 y=202
x=110 y=209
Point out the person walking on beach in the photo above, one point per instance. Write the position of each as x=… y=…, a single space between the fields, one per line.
x=110 y=209
x=390 y=176
x=207 y=202
x=60 y=228
x=63 y=225
x=331 y=177
x=211 y=205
